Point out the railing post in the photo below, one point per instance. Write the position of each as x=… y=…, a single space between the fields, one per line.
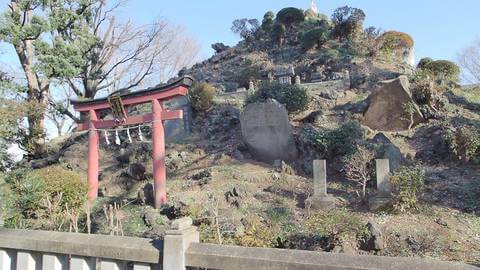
x=5 y=260
x=141 y=266
x=176 y=242
x=77 y=263
x=53 y=262
x=111 y=265
x=26 y=261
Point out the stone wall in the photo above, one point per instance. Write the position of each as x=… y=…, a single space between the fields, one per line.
x=232 y=98
x=328 y=89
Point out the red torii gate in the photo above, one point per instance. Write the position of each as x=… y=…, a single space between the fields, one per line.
x=155 y=95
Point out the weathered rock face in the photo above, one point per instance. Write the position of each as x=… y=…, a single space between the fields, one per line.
x=386 y=111
x=267 y=132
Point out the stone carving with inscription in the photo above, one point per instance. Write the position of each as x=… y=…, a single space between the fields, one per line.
x=267 y=132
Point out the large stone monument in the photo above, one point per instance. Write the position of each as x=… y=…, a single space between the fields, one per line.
x=320 y=199
x=384 y=187
x=386 y=111
x=267 y=132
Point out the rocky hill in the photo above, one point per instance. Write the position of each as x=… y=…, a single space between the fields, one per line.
x=365 y=100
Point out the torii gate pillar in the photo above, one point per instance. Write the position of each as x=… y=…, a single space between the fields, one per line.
x=159 y=171
x=93 y=156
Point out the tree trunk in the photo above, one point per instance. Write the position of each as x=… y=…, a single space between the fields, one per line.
x=37 y=100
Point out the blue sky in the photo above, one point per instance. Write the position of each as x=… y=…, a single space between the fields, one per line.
x=441 y=28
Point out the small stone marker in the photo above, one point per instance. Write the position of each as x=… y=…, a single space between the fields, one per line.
x=320 y=199
x=319 y=178
x=384 y=187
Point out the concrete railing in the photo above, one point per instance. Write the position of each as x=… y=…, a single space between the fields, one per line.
x=240 y=258
x=37 y=250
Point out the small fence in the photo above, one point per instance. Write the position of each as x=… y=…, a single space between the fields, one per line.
x=180 y=249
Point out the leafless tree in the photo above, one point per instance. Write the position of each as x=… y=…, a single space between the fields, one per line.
x=469 y=61
x=358 y=168
x=128 y=56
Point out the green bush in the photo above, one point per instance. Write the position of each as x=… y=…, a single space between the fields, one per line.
x=408 y=183
x=201 y=96
x=336 y=142
x=393 y=40
x=464 y=143
x=27 y=192
x=424 y=62
x=268 y=21
x=290 y=15
x=43 y=199
x=294 y=97
x=314 y=38
x=347 y=22
x=278 y=32
x=336 y=225
x=441 y=69
x=69 y=187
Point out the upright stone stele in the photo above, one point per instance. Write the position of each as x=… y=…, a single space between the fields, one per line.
x=267 y=132
x=320 y=199
x=384 y=187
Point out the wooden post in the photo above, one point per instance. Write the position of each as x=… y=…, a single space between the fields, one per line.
x=159 y=171
x=93 y=156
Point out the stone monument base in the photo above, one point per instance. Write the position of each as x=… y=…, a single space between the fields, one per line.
x=376 y=203
x=325 y=202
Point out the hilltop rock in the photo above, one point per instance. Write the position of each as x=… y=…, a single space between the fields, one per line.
x=386 y=110
x=220 y=47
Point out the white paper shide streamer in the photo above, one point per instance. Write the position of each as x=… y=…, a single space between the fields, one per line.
x=117 y=138
x=129 y=137
x=107 y=141
x=140 y=135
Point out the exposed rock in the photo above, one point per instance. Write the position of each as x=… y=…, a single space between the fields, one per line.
x=156 y=232
x=220 y=47
x=175 y=160
x=386 y=110
x=136 y=171
x=282 y=167
x=152 y=217
x=375 y=241
x=235 y=196
x=441 y=222
x=238 y=155
x=145 y=195
x=312 y=117
x=175 y=211
x=388 y=150
x=203 y=177
x=267 y=131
